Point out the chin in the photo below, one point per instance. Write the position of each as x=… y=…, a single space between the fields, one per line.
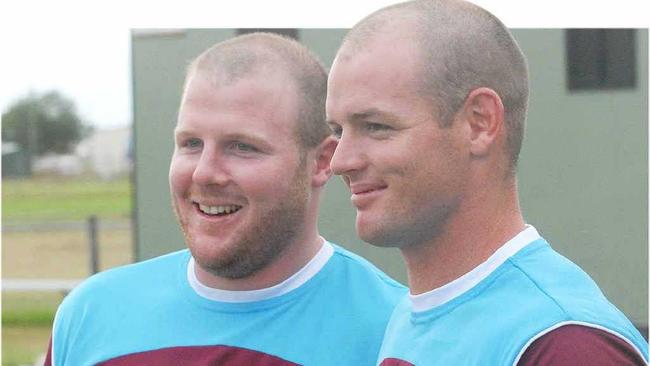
x=375 y=235
x=209 y=251
x=385 y=232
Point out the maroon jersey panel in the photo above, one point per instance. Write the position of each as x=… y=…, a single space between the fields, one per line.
x=580 y=345
x=48 y=356
x=394 y=362
x=198 y=356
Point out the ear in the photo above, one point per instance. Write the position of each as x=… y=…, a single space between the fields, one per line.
x=322 y=157
x=485 y=116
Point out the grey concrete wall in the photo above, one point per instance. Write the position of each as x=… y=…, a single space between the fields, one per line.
x=583 y=176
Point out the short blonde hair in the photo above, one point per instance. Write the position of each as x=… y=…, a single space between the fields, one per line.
x=236 y=58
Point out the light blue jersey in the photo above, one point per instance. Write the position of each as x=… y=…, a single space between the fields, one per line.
x=493 y=313
x=333 y=312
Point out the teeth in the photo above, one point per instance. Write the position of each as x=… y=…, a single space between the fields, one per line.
x=217 y=210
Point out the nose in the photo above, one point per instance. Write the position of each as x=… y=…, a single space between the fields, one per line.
x=210 y=169
x=348 y=156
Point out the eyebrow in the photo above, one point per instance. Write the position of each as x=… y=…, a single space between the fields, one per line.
x=366 y=114
x=372 y=112
x=181 y=132
x=252 y=138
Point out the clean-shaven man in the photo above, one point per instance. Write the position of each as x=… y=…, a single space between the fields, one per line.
x=429 y=101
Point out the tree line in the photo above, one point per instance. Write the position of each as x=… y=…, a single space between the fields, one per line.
x=44 y=123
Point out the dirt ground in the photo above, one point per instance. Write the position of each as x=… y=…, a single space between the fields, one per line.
x=61 y=253
x=50 y=254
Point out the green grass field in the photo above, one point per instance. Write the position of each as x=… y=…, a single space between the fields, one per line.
x=48 y=199
x=22 y=345
x=27 y=309
x=27 y=316
x=26 y=325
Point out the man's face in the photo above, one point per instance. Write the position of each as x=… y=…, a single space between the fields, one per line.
x=238 y=185
x=406 y=173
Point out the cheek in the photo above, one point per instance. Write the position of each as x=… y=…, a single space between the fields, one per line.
x=180 y=174
x=267 y=180
x=442 y=177
x=264 y=186
x=426 y=173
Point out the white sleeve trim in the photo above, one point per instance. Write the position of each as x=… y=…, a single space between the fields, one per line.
x=573 y=322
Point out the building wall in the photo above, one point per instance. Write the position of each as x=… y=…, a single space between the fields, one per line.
x=106 y=152
x=582 y=176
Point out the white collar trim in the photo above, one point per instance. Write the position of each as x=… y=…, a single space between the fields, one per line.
x=457 y=287
x=296 y=280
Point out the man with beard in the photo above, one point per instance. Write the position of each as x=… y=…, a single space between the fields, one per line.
x=428 y=99
x=258 y=285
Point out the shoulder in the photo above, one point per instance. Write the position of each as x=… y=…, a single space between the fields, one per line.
x=362 y=267
x=560 y=293
x=557 y=280
x=111 y=285
x=575 y=344
x=362 y=281
x=354 y=289
x=114 y=299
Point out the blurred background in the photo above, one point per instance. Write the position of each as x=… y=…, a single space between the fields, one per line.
x=87 y=119
x=66 y=167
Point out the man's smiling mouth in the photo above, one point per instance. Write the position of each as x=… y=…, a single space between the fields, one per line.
x=220 y=210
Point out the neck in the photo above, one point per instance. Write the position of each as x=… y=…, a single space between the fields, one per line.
x=481 y=225
x=290 y=261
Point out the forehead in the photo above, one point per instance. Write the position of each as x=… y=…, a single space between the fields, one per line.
x=269 y=100
x=384 y=71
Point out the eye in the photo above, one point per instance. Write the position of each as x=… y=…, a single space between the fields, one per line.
x=337 y=131
x=376 y=127
x=191 y=143
x=242 y=147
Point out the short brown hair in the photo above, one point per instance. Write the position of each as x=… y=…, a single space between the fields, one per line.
x=464 y=47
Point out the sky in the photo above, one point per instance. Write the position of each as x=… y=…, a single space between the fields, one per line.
x=82 y=48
